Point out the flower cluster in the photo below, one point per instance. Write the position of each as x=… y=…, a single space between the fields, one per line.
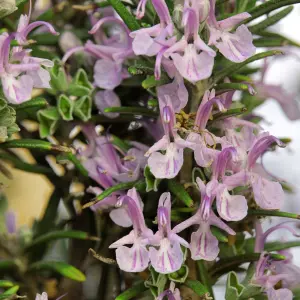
x=19 y=71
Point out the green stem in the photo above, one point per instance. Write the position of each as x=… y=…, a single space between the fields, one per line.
x=272 y=213
x=204 y=277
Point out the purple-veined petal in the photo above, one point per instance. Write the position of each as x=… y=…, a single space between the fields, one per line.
x=204 y=245
x=107 y=98
x=134 y=259
x=231 y=207
x=125 y=240
x=193 y=66
x=17 y=90
x=166 y=165
x=230 y=23
x=168 y=258
x=162 y=144
x=237 y=46
x=267 y=194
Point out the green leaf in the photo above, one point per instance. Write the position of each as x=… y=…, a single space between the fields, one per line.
x=132 y=292
x=181 y=275
x=35 y=144
x=119 y=143
x=151 y=182
x=278 y=246
x=267 y=7
x=125 y=15
x=83 y=108
x=7 y=264
x=7 y=7
x=229 y=113
x=55 y=235
x=7 y=116
x=21 y=165
x=10 y=292
x=233 y=288
x=179 y=191
x=59 y=81
x=196 y=286
x=19 y=2
x=72 y=158
x=118 y=187
x=233 y=86
x=45 y=39
x=48 y=119
x=6 y=284
x=205 y=277
x=272 y=213
x=151 y=82
x=270 y=20
x=36 y=103
x=65 y=107
x=141 y=111
x=234 y=67
x=46 y=16
x=219 y=234
x=59 y=267
x=80 y=86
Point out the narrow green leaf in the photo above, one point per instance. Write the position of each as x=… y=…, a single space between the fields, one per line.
x=10 y=292
x=21 y=165
x=149 y=178
x=143 y=111
x=120 y=143
x=37 y=103
x=65 y=107
x=151 y=82
x=234 y=67
x=102 y=4
x=132 y=292
x=72 y=158
x=46 y=16
x=179 y=191
x=6 y=284
x=59 y=267
x=205 y=277
x=196 y=286
x=272 y=213
x=125 y=15
x=270 y=20
x=229 y=113
x=277 y=35
x=35 y=144
x=118 y=187
x=232 y=86
x=267 y=7
x=219 y=234
x=7 y=264
x=55 y=235
x=270 y=42
x=278 y=246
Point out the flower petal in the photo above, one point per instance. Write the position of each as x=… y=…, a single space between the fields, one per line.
x=168 y=258
x=166 y=165
x=231 y=207
x=120 y=217
x=281 y=294
x=204 y=245
x=107 y=74
x=107 y=98
x=267 y=194
x=134 y=259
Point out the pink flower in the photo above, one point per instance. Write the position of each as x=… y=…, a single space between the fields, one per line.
x=136 y=258
x=193 y=59
x=168 y=258
x=236 y=46
x=169 y=164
